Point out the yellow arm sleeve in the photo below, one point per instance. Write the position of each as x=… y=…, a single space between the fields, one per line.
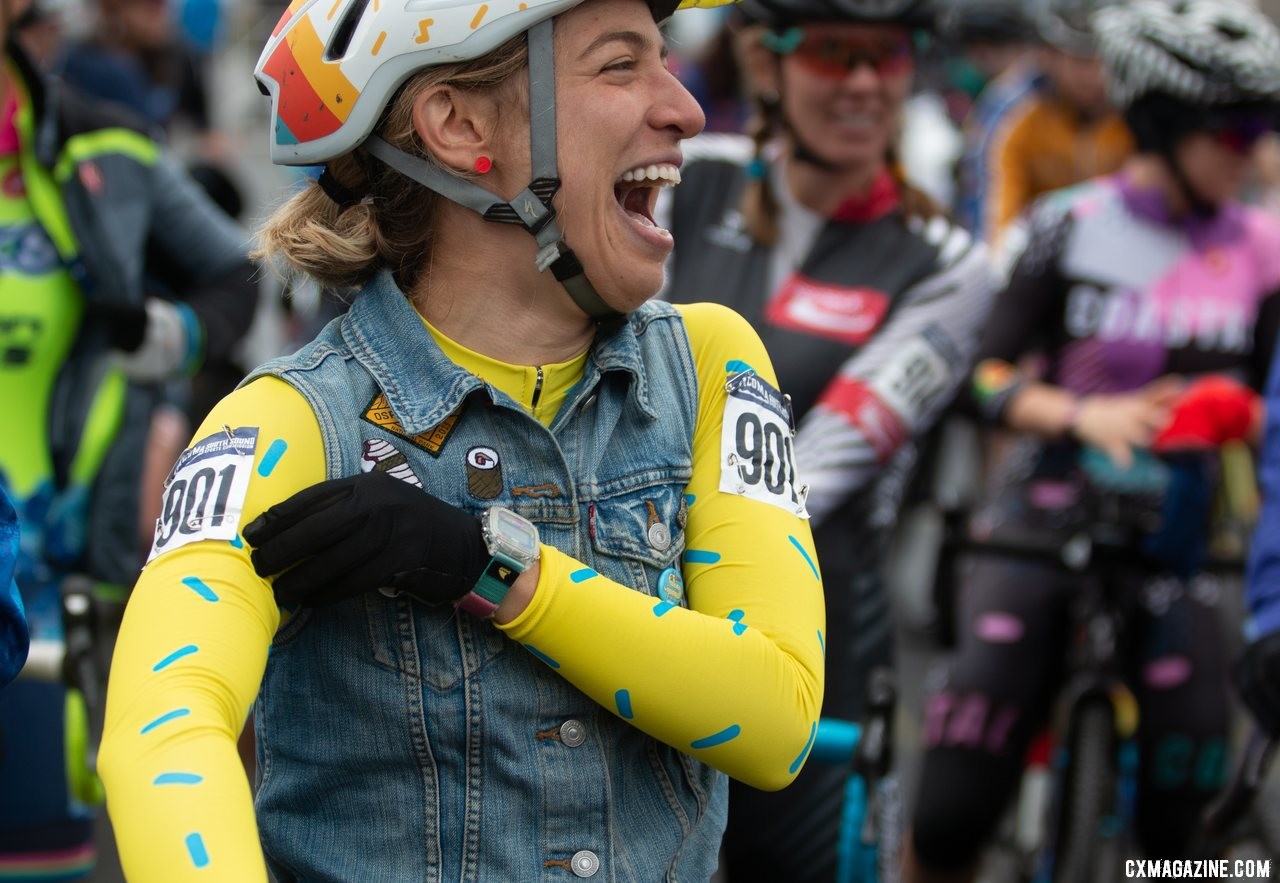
x=735 y=680
x=187 y=666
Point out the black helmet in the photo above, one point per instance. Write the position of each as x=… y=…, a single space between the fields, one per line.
x=985 y=21
x=779 y=14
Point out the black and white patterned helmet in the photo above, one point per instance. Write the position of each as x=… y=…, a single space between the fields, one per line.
x=785 y=13
x=1207 y=53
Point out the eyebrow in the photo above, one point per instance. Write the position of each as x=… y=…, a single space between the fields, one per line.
x=637 y=41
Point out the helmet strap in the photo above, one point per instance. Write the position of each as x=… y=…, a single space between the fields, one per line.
x=531 y=208
x=1196 y=204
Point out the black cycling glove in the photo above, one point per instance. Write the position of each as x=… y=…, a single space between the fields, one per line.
x=349 y=535
x=1257 y=676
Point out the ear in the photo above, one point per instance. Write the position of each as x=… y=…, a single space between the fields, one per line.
x=455 y=126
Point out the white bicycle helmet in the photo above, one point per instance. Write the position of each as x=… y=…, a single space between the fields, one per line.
x=332 y=66
x=1207 y=53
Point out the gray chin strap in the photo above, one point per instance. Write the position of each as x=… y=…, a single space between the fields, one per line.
x=531 y=208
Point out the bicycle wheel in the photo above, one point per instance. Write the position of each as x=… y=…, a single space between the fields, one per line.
x=1085 y=850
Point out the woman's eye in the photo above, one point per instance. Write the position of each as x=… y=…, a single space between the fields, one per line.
x=623 y=64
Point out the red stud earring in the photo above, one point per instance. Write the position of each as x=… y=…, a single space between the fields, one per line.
x=483 y=164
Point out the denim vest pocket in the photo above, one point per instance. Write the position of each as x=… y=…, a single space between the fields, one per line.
x=433 y=643
x=292 y=627
x=638 y=522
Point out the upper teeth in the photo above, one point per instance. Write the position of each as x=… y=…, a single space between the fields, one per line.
x=668 y=174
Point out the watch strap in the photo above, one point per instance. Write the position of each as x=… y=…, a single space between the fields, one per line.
x=489 y=591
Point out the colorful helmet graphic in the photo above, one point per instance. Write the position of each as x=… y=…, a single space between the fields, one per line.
x=331 y=66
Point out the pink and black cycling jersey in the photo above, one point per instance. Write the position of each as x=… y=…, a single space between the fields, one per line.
x=1115 y=293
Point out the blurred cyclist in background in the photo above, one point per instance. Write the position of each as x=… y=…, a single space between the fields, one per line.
x=95 y=219
x=1064 y=132
x=869 y=301
x=1131 y=287
x=997 y=38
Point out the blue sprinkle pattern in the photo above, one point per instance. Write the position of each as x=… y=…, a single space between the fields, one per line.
x=725 y=735
x=544 y=657
x=623 y=700
x=807 y=559
x=272 y=457
x=178 y=779
x=164 y=719
x=195 y=849
x=581 y=576
x=237 y=543
x=795 y=764
x=737 y=367
x=822 y=642
x=175 y=656
x=736 y=618
x=690 y=499
x=700 y=556
x=198 y=586
x=661 y=608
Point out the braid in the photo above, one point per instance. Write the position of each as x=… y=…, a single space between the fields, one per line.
x=759 y=206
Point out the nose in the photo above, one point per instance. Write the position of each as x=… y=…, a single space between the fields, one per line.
x=676 y=109
x=862 y=77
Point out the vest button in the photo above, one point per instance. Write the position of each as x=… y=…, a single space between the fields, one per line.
x=573 y=733
x=585 y=863
x=659 y=536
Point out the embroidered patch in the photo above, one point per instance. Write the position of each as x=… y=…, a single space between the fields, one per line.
x=381 y=456
x=484 y=473
x=756 y=453
x=537 y=491
x=379 y=413
x=204 y=495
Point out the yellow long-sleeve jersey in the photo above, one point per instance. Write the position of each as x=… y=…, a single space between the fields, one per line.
x=193 y=647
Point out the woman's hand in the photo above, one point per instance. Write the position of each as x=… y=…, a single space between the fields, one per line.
x=1116 y=424
x=349 y=535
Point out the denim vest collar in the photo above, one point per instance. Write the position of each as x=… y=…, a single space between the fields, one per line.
x=382 y=309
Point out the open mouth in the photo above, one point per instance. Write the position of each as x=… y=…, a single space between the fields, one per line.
x=636 y=191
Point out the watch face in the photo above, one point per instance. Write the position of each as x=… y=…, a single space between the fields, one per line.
x=517 y=536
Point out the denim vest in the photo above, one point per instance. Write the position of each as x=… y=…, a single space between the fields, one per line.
x=399 y=741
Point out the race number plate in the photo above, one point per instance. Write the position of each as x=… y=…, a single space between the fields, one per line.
x=204 y=496
x=757 y=457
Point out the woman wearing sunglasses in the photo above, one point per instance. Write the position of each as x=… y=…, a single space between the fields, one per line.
x=869 y=301
x=1130 y=286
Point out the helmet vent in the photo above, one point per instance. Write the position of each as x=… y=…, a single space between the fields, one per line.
x=1231 y=32
x=346 y=29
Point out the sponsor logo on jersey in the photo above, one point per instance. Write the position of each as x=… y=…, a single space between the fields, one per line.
x=848 y=315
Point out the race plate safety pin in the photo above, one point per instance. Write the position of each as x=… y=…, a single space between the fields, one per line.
x=742 y=473
x=791 y=412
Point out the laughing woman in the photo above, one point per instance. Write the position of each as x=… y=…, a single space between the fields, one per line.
x=576 y=586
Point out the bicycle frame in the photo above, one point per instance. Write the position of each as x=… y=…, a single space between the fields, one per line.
x=867 y=751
